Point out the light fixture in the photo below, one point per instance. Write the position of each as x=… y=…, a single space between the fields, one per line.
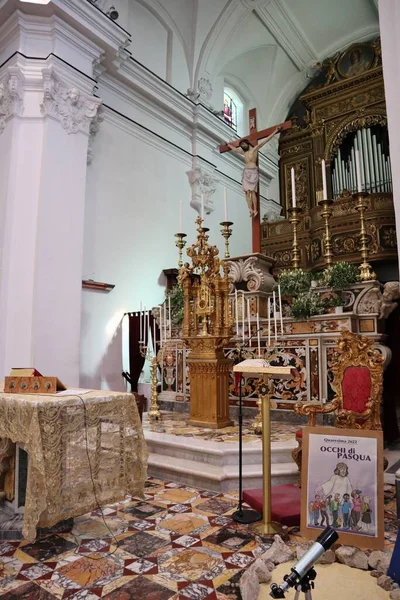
x=113 y=13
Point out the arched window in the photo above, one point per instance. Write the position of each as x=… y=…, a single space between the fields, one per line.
x=234 y=110
x=230 y=111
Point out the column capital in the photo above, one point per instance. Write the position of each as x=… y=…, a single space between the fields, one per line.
x=66 y=103
x=11 y=95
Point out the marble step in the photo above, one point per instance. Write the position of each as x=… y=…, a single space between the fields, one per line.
x=215 y=453
x=214 y=465
x=221 y=478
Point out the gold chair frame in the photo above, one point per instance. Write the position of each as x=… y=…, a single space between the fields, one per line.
x=352 y=351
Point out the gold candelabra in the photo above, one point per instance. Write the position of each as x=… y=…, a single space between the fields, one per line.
x=226 y=232
x=294 y=213
x=154 y=413
x=326 y=214
x=180 y=244
x=366 y=272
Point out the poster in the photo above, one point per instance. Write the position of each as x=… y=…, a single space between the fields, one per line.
x=343 y=484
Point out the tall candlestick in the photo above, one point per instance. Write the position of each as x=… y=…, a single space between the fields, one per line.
x=180 y=216
x=237 y=313
x=275 y=321
x=248 y=320
x=258 y=335
x=269 y=322
x=169 y=315
x=280 y=307
x=202 y=207
x=293 y=188
x=325 y=192
x=243 y=315
x=154 y=338
x=225 y=206
x=160 y=325
x=358 y=172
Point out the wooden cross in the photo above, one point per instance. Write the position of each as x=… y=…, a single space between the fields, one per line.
x=254 y=137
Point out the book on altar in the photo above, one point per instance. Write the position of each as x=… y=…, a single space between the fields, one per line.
x=25 y=372
x=260 y=365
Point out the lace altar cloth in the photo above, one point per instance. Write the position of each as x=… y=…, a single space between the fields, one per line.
x=74 y=449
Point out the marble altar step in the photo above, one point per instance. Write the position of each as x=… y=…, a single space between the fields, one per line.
x=214 y=465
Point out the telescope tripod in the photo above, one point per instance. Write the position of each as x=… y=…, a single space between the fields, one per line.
x=305 y=585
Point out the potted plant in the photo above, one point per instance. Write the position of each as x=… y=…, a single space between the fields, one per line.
x=306 y=305
x=341 y=275
x=337 y=302
x=294 y=282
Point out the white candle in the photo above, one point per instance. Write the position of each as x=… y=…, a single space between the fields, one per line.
x=325 y=192
x=293 y=188
x=202 y=207
x=269 y=321
x=248 y=320
x=180 y=216
x=237 y=313
x=358 y=172
x=258 y=335
x=280 y=307
x=144 y=326
x=243 y=315
x=154 y=338
x=140 y=322
x=165 y=320
x=225 y=205
x=169 y=314
x=275 y=323
x=160 y=325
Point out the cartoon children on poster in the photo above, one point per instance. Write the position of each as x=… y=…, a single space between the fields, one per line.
x=342 y=484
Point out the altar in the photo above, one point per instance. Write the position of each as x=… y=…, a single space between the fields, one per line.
x=83 y=452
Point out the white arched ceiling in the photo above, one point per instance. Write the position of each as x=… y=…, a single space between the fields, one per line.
x=235 y=38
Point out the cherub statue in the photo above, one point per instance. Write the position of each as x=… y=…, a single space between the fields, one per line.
x=391 y=292
x=250 y=174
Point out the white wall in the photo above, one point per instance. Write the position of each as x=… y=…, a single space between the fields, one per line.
x=132 y=213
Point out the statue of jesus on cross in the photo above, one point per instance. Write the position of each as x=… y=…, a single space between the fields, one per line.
x=250 y=146
x=250 y=175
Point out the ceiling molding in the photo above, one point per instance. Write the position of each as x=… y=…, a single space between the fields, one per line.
x=375 y=5
x=287 y=34
x=367 y=33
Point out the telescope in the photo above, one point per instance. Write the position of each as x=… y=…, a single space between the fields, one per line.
x=302 y=575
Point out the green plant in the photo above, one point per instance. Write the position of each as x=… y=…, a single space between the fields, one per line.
x=294 y=281
x=340 y=276
x=176 y=297
x=307 y=304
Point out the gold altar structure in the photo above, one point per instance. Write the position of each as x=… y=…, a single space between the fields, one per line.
x=206 y=330
x=342 y=111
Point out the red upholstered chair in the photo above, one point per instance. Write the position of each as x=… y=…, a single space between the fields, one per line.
x=357 y=384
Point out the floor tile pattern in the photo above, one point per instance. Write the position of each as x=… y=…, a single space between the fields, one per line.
x=178 y=543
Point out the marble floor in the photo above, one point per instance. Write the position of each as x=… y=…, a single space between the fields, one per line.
x=178 y=543
x=177 y=424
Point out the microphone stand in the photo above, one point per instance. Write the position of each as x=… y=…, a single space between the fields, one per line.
x=243 y=515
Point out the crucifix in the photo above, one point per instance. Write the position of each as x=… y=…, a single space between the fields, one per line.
x=250 y=146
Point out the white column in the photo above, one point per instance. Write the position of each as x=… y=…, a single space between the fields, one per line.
x=45 y=143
